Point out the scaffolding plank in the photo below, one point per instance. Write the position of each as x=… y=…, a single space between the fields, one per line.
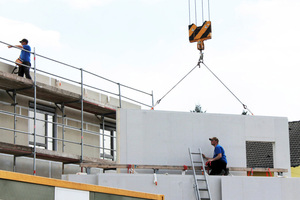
x=53 y=94
x=258 y=169
x=109 y=166
x=15 y=149
x=174 y=167
x=27 y=151
x=11 y=81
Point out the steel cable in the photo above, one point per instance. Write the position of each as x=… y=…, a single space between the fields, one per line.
x=244 y=106
x=199 y=62
x=176 y=85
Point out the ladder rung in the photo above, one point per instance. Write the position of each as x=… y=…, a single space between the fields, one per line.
x=199 y=172
x=197 y=162
x=203 y=189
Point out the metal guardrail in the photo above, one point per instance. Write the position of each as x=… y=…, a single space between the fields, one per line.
x=82 y=74
x=82 y=71
x=54 y=123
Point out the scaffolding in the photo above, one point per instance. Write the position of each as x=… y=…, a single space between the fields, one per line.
x=15 y=85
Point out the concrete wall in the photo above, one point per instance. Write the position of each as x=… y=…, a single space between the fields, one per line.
x=163 y=138
x=6 y=67
x=172 y=186
x=180 y=187
x=249 y=188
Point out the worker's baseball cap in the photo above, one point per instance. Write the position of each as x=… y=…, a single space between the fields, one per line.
x=24 y=40
x=214 y=138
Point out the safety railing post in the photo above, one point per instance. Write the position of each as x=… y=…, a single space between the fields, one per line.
x=81 y=100
x=15 y=116
x=15 y=126
x=34 y=120
x=63 y=126
x=152 y=99
x=120 y=104
x=103 y=132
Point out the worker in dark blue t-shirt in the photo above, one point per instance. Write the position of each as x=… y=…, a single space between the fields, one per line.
x=24 y=58
x=218 y=163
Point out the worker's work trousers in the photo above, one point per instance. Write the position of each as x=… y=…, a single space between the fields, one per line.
x=217 y=167
x=24 y=70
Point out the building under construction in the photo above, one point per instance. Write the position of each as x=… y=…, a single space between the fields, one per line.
x=106 y=144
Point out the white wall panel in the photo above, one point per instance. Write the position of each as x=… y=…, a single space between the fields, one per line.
x=163 y=137
x=63 y=194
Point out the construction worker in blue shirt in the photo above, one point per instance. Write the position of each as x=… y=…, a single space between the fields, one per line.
x=218 y=163
x=24 y=58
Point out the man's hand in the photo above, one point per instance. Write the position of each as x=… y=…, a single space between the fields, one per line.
x=19 y=46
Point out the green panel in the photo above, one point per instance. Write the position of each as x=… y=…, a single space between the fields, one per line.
x=102 y=196
x=14 y=190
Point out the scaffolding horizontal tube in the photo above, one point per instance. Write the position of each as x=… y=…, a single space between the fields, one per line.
x=18 y=115
x=9 y=129
x=58 y=124
x=136 y=101
x=100 y=89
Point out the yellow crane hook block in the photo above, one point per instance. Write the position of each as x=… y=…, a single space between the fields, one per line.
x=200 y=33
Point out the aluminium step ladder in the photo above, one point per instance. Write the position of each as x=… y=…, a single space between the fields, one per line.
x=201 y=183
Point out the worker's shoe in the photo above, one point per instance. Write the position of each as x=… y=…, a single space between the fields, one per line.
x=222 y=172
x=226 y=172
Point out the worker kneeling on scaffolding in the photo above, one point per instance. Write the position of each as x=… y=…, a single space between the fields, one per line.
x=218 y=163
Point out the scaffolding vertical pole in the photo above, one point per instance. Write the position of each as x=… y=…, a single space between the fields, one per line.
x=14 y=164
x=63 y=126
x=103 y=126
x=112 y=145
x=15 y=116
x=34 y=120
x=46 y=130
x=81 y=157
x=152 y=99
x=15 y=127
x=120 y=95
x=54 y=125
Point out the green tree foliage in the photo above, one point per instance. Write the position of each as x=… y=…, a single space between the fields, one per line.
x=198 y=109
x=245 y=112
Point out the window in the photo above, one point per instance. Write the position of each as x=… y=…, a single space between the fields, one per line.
x=259 y=154
x=45 y=129
x=108 y=141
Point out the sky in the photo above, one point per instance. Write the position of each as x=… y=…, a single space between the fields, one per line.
x=144 y=44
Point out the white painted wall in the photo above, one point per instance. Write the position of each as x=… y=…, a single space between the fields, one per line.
x=180 y=187
x=172 y=186
x=163 y=137
x=249 y=188
x=64 y=193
